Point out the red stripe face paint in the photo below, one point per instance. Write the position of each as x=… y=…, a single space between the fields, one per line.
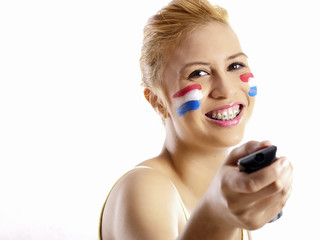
x=186 y=90
x=245 y=77
x=249 y=78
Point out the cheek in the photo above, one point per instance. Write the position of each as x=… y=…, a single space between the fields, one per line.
x=187 y=99
x=249 y=78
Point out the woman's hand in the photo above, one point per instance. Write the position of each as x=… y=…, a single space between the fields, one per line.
x=249 y=201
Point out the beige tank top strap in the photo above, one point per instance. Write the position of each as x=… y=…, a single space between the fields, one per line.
x=245 y=234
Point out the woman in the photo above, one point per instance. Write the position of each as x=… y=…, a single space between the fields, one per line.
x=197 y=78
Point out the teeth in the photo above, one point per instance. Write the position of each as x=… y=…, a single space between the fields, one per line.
x=227 y=114
x=231 y=114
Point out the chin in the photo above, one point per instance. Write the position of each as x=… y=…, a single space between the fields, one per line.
x=232 y=141
x=225 y=139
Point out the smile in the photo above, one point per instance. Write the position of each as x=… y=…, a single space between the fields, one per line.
x=226 y=116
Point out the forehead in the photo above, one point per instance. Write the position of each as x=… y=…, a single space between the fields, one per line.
x=213 y=41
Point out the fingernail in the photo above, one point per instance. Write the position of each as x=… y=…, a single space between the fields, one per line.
x=284 y=162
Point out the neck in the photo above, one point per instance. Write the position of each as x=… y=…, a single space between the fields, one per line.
x=195 y=165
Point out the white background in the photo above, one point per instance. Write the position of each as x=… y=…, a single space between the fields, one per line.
x=73 y=118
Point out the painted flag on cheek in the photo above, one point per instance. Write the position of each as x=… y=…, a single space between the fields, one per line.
x=249 y=78
x=187 y=99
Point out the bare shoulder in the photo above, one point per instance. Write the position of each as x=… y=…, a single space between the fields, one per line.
x=143 y=205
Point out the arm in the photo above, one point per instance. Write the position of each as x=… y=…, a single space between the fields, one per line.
x=144 y=205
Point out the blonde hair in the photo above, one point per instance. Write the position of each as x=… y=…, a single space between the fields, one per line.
x=166 y=29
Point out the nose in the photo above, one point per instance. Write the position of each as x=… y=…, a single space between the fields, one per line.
x=222 y=87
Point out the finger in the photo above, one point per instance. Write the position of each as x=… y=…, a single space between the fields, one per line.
x=277 y=175
x=243 y=201
x=275 y=201
x=260 y=213
x=256 y=181
x=244 y=150
x=281 y=185
x=273 y=205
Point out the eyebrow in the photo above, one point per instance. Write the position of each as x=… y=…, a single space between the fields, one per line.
x=194 y=63
x=237 y=55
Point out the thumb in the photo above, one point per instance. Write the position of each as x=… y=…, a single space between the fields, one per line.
x=244 y=150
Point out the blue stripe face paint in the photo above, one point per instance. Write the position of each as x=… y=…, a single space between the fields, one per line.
x=187 y=107
x=253 y=91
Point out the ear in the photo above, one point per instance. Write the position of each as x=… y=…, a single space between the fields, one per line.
x=156 y=103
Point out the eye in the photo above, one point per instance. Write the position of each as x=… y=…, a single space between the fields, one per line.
x=235 y=66
x=197 y=74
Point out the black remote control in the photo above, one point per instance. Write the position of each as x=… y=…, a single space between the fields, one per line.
x=258 y=160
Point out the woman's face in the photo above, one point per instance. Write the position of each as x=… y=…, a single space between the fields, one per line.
x=207 y=87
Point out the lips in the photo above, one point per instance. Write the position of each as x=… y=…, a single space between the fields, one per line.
x=226 y=116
